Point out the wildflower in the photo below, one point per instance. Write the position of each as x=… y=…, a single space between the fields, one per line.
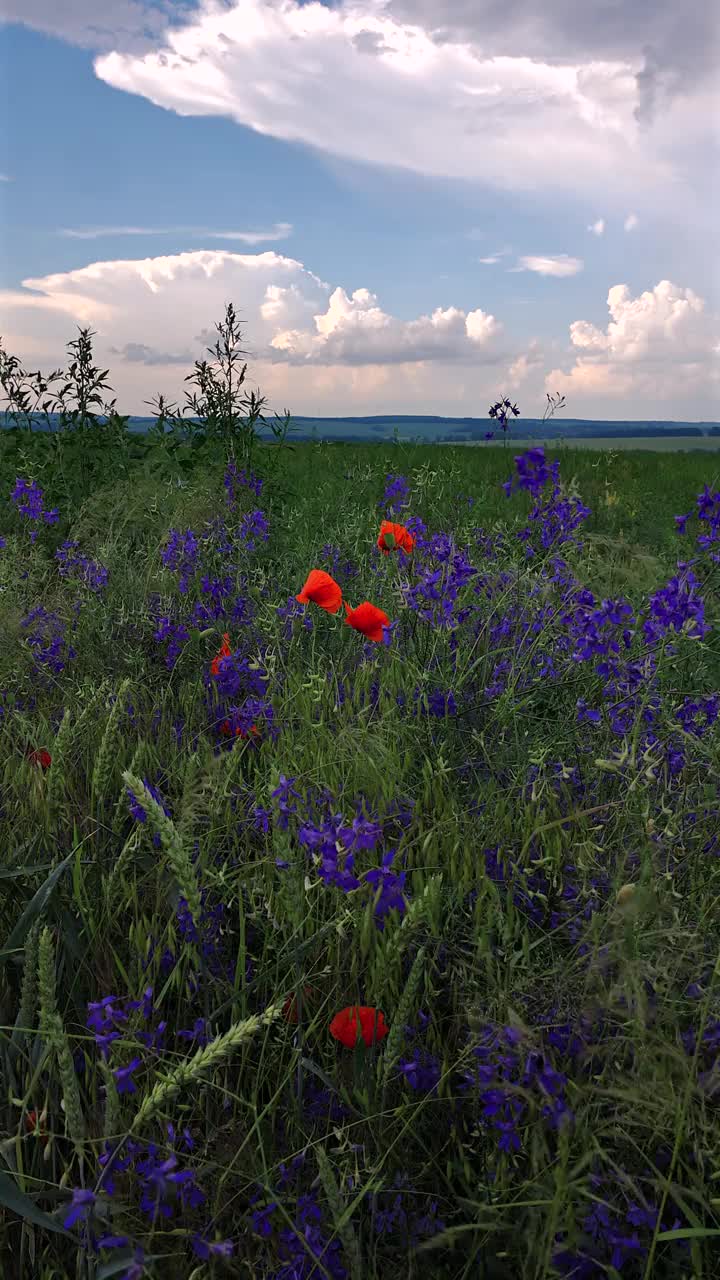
x=290 y=1007
x=364 y=1020
x=226 y=730
x=82 y=1203
x=41 y=757
x=206 y=1249
x=393 y=536
x=368 y=619
x=253 y=525
x=421 y=1071
x=225 y=652
x=71 y=564
x=199 y=1032
x=396 y=493
x=28 y=498
x=387 y=888
x=322 y=590
x=123 y=1076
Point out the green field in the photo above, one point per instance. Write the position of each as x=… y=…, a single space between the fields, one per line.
x=656 y=444
x=486 y=816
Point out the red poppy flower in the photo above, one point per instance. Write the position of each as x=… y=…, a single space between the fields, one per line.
x=368 y=1021
x=290 y=1007
x=322 y=590
x=41 y=757
x=226 y=731
x=225 y=652
x=403 y=537
x=368 y=619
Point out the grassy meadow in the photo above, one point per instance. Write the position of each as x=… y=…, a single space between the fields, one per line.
x=333 y=947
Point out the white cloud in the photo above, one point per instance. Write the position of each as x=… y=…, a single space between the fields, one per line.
x=355 y=330
x=443 y=110
x=660 y=345
x=598 y=227
x=5 y=178
x=280 y=231
x=493 y=257
x=302 y=334
x=630 y=222
x=561 y=265
x=527 y=364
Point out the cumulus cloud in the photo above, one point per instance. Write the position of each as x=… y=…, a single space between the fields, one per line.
x=598 y=227
x=562 y=265
x=660 y=344
x=673 y=48
x=355 y=330
x=572 y=98
x=406 y=96
x=304 y=333
x=280 y=231
x=670 y=49
x=527 y=364
x=130 y=23
x=630 y=222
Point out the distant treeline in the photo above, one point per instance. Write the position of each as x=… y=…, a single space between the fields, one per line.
x=431 y=429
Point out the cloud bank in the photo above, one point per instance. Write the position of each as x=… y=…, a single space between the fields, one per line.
x=660 y=344
x=320 y=349
x=381 y=85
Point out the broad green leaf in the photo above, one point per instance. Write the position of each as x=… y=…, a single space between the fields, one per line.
x=12 y=1198
x=35 y=907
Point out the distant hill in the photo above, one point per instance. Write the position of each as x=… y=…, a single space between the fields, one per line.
x=431 y=428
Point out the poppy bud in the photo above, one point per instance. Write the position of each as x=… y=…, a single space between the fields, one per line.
x=41 y=757
x=290 y=1007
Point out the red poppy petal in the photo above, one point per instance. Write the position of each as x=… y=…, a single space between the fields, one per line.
x=368 y=619
x=322 y=590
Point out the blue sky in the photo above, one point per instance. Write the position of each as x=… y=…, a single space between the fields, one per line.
x=340 y=171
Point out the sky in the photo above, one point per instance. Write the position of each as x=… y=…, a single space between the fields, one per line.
x=414 y=206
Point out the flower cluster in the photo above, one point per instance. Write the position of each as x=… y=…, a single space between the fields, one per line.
x=234 y=675
x=304 y=1244
x=504 y=1075
x=333 y=843
x=500 y=411
x=396 y=495
x=79 y=567
x=29 y=501
x=46 y=638
x=163 y=1191
x=234 y=479
x=708 y=510
x=556 y=517
x=613 y=1234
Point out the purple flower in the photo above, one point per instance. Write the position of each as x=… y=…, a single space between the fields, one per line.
x=123 y=1076
x=82 y=1203
x=206 y=1249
